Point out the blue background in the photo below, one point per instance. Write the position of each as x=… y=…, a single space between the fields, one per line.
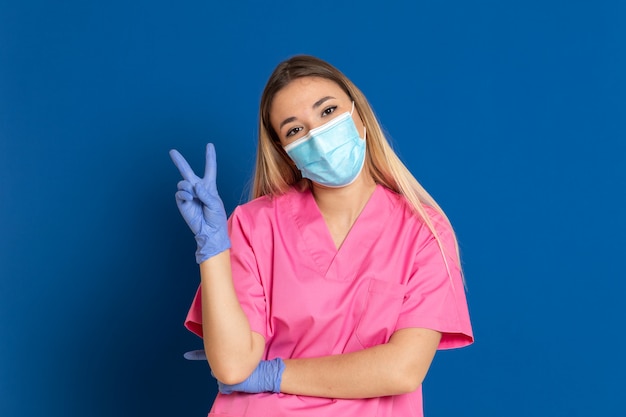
x=511 y=113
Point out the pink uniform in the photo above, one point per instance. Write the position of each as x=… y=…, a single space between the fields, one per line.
x=309 y=299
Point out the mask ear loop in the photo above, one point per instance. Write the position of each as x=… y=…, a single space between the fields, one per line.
x=364 y=127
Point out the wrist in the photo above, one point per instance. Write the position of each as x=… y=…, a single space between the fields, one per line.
x=279 y=366
x=206 y=247
x=217 y=264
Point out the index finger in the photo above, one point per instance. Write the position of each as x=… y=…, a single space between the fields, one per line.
x=183 y=166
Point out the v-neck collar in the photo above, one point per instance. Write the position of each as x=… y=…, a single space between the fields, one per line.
x=340 y=264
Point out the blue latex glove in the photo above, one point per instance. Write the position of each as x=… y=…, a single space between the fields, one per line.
x=195 y=355
x=265 y=378
x=201 y=206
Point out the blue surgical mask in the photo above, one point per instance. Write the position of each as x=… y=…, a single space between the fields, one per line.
x=332 y=154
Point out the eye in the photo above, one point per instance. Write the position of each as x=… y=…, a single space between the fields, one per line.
x=292 y=132
x=329 y=110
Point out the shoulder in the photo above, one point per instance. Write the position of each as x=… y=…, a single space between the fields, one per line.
x=262 y=207
x=412 y=217
x=438 y=219
x=426 y=225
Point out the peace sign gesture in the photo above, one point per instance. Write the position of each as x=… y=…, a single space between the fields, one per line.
x=201 y=206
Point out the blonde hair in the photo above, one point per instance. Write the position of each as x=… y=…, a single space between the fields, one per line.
x=275 y=172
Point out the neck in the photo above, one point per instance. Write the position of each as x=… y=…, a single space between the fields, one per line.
x=344 y=204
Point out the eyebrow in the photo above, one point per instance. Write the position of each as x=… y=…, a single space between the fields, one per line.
x=315 y=106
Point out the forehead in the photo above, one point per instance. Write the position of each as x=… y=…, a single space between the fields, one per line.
x=302 y=93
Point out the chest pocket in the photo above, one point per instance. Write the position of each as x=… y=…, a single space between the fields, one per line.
x=382 y=308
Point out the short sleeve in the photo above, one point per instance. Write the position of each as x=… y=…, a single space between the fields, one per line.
x=246 y=279
x=436 y=299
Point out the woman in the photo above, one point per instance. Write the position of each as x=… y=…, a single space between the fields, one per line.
x=329 y=292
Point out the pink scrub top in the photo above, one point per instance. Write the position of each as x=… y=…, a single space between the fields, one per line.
x=307 y=299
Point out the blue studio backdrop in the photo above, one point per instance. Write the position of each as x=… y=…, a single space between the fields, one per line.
x=511 y=113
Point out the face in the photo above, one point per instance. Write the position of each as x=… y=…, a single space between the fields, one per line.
x=307 y=103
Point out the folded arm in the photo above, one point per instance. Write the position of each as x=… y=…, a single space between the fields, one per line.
x=394 y=368
x=232 y=349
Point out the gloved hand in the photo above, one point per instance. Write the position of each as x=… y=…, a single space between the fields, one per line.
x=265 y=378
x=201 y=206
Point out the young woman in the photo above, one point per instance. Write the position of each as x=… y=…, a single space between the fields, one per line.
x=329 y=292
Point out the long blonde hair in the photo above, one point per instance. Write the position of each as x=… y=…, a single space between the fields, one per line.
x=275 y=172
